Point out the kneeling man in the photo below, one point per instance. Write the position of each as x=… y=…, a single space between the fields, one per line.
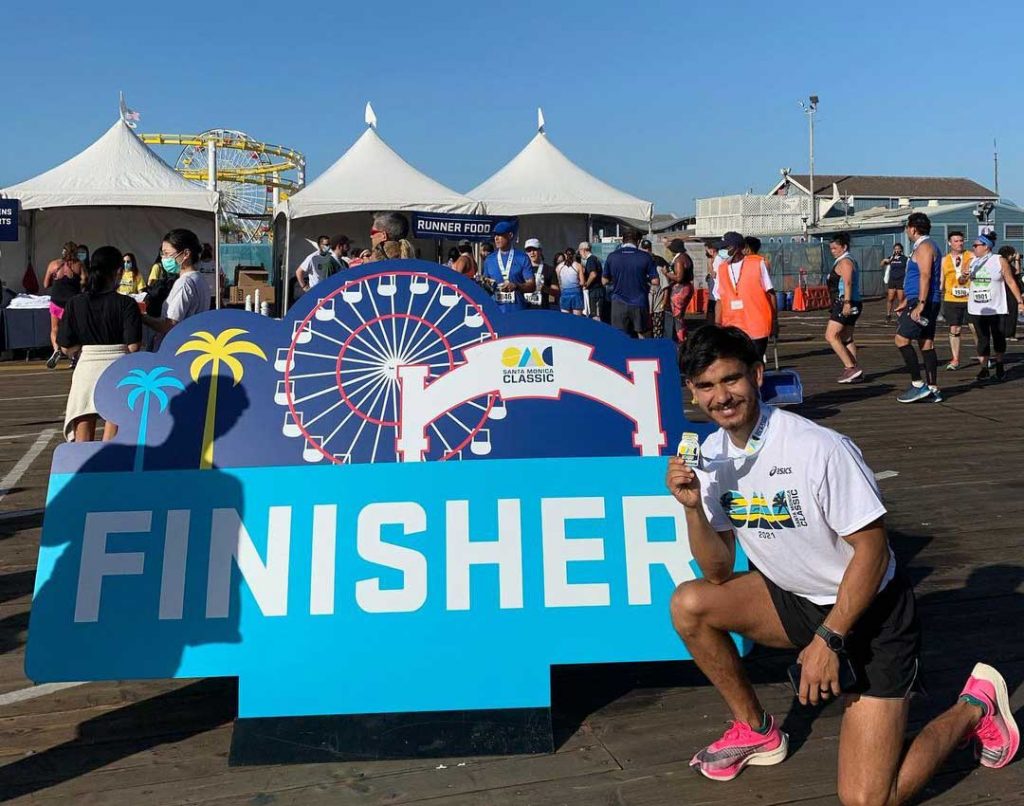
x=806 y=510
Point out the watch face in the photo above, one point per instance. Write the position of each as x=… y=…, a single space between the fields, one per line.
x=835 y=643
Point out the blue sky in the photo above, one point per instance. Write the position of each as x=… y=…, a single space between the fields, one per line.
x=670 y=101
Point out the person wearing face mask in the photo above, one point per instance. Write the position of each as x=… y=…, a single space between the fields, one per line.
x=131 y=281
x=312 y=269
x=190 y=293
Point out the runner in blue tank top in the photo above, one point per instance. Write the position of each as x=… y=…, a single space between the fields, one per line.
x=920 y=310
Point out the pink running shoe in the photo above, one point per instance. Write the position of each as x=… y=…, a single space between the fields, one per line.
x=997 y=732
x=739 y=746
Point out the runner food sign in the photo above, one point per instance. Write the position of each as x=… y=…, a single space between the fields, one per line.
x=396 y=499
x=456 y=227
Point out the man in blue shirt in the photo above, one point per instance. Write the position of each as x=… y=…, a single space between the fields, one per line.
x=629 y=274
x=508 y=272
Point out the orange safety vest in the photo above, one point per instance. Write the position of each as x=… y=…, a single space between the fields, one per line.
x=745 y=305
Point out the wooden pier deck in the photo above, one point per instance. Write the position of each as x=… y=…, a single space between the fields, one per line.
x=955 y=489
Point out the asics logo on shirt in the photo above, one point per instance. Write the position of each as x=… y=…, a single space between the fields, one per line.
x=754 y=511
x=780 y=471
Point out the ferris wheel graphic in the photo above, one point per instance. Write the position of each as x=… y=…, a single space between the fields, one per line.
x=340 y=386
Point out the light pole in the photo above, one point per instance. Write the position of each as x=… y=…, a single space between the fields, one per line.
x=809 y=109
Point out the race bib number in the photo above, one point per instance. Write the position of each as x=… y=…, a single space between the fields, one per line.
x=982 y=295
x=960 y=291
x=505 y=297
x=736 y=305
x=534 y=298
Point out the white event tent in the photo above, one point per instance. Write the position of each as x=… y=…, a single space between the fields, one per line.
x=116 y=192
x=555 y=198
x=370 y=177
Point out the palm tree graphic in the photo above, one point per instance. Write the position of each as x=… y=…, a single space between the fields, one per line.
x=213 y=350
x=148 y=385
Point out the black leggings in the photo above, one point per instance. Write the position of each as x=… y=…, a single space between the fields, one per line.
x=990 y=327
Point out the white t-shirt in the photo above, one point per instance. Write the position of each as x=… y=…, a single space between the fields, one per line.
x=791 y=501
x=316 y=266
x=715 y=263
x=987 y=294
x=189 y=295
x=734 y=272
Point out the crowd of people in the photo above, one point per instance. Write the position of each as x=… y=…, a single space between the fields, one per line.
x=96 y=311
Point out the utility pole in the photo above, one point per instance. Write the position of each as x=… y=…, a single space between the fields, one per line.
x=995 y=161
x=809 y=109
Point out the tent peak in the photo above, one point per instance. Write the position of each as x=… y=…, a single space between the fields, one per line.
x=370 y=116
x=540 y=120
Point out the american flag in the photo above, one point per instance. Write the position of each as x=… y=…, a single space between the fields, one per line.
x=129 y=116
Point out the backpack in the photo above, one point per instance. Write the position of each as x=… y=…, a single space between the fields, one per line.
x=157 y=293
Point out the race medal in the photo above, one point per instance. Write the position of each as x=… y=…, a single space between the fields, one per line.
x=689 y=450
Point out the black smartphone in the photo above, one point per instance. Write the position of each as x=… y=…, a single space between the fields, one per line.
x=847 y=675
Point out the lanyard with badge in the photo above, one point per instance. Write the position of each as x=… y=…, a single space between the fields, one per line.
x=537 y=296
x=505 y=297
x=957 y=290
x=736 y=303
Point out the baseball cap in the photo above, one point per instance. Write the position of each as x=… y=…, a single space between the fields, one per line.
x=504 y=228
x=464 y=242
x=731 y=240
x=532 y=243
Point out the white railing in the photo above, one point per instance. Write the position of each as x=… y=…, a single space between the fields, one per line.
x=752 y=215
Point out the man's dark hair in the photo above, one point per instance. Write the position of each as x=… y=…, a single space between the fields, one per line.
x=630 y=235
x=320 y=238
x=1005 y=252
x=920 y=222
x=953 y=234
x=487 y=248
x=753 y=244
x=710 y=342
x=842 y=238
x=340 y=240
x=465 y=248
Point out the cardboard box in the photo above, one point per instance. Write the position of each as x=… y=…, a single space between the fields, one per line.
x=252 y=278
x=238 y=294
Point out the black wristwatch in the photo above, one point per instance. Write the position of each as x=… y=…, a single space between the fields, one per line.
x=833 y=640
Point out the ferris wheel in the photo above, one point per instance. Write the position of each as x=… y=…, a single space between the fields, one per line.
x=340 y=386
x=246 y=206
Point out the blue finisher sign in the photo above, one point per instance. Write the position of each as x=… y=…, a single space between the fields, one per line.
x=456 y=227
x=9 y=209
x=397 y=499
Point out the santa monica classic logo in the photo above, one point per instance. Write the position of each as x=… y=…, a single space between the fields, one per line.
x=528 y=365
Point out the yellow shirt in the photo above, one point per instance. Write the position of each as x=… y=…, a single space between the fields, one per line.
x=131 y=283
x=953 y=288
x=156 y=272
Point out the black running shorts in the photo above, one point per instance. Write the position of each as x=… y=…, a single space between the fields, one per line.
x=884 y=645
x=631 y=319
x=915 y=331
x=955 y=313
